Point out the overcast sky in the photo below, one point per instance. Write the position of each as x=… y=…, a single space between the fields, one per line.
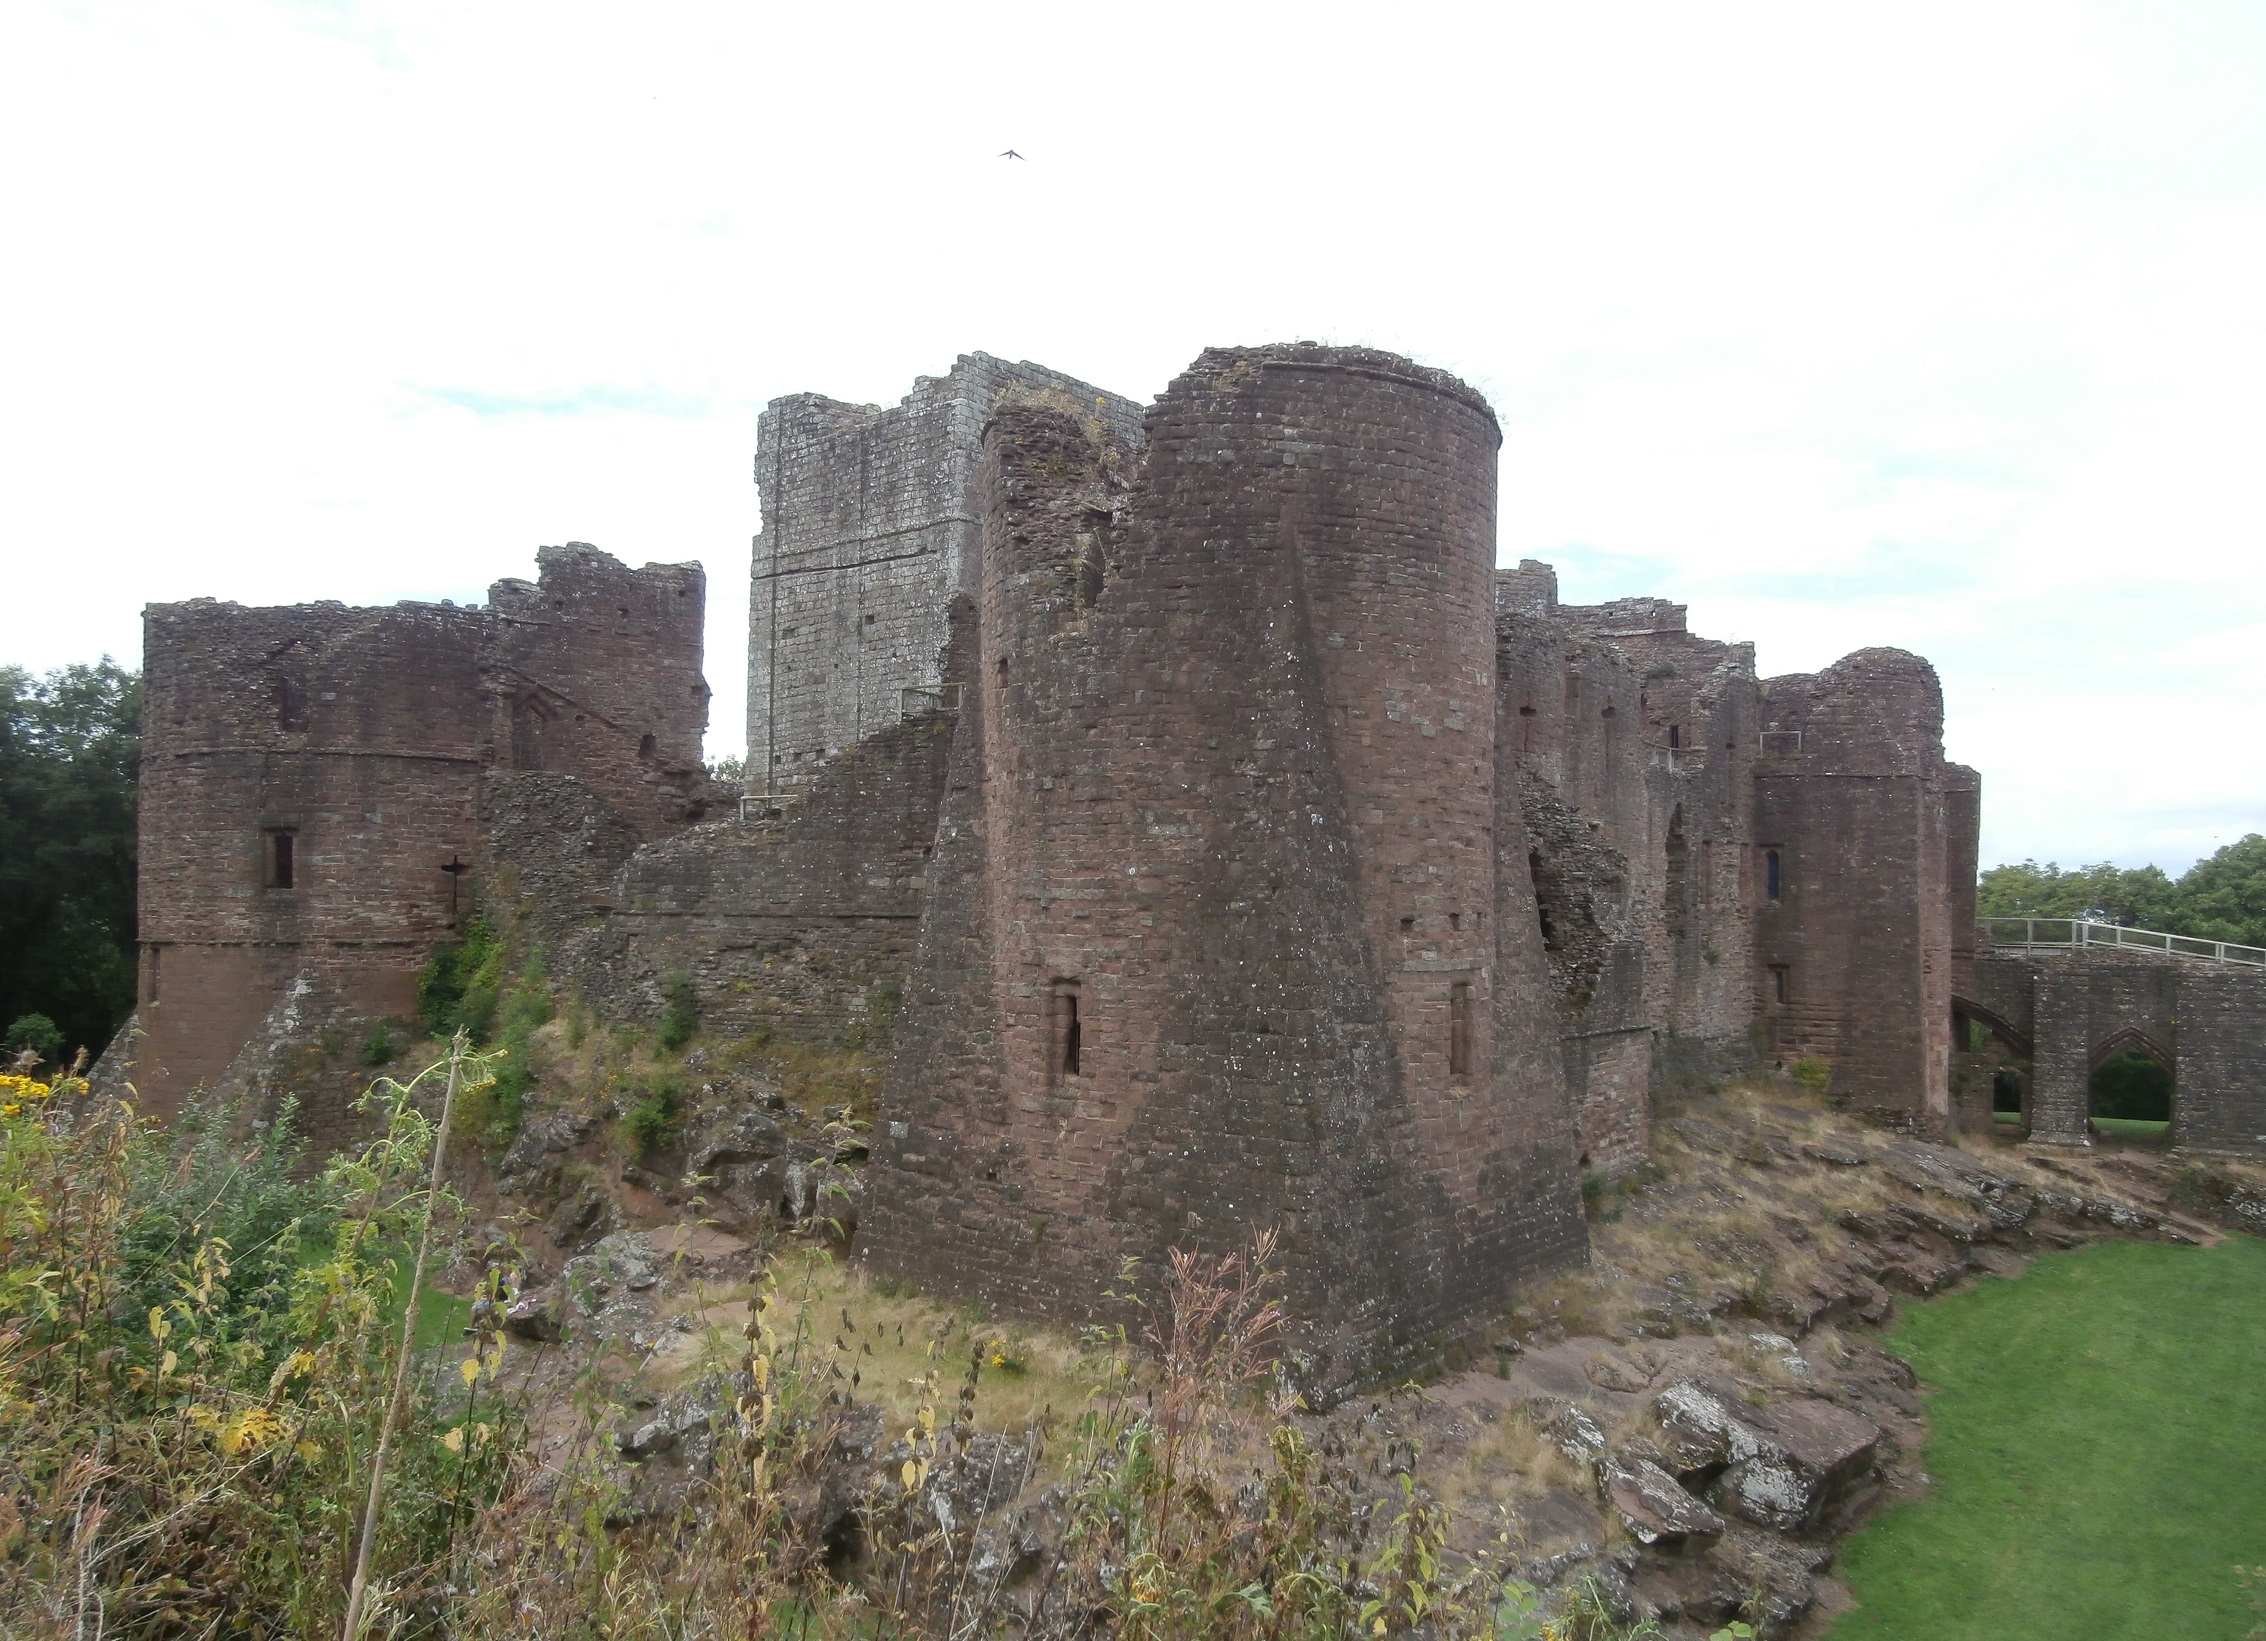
x=1906 y=324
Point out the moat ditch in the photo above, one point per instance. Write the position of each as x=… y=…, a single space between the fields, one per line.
x=2096 y=1433
x=1683 y=1434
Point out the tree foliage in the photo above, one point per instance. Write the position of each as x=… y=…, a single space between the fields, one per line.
x=2221 y=898
x=70 y=753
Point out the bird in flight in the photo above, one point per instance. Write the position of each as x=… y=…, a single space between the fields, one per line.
x=1010 y=154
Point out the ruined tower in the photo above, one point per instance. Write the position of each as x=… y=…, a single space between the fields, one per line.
x=1220 y=935
x=870 y=526
x=321 y=786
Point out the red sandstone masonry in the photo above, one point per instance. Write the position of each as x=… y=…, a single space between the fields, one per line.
x=1852 y=793
x=1242 y=807
x=364 y=738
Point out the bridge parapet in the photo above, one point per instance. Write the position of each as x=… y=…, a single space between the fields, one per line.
x=2065 y=933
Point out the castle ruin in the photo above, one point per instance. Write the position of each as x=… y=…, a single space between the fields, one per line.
x=1235 y=844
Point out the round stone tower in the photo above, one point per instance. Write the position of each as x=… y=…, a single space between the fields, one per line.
x=1214 y=940
x=1373 y=481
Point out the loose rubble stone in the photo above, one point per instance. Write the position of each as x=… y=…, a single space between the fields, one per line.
x=1654 y=1506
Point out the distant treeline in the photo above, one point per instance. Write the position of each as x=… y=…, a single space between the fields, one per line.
x=2222 y=898
x=70 y=754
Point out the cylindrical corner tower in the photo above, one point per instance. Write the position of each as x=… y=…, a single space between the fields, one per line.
x=1229 y=833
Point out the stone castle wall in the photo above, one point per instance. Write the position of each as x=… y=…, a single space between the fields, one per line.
x=1854 y=799
x=1633 y=738
x=869 y=529
x=314 y=782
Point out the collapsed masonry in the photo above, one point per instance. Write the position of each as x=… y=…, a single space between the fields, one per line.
x=1244 y=848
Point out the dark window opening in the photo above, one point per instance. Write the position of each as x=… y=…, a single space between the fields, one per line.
x=1607 y=713
x=1069 y=1031
x=1459 y=1029
x=1526 y=712
x=2006 y=1090
x=1408 y=925
x=1455 y=920
x=282 y=866
x=291 y=711
x=1675 y=734
x=869 y=620
x=527 y=737
x=1541 y=906
x=645 y=747
x=1772 y=879
x=1678 y=874
x=1778 y=982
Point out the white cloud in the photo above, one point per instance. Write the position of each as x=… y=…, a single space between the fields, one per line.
x=1932 y=325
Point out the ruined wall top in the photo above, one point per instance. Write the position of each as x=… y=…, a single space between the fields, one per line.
x=869 y=530
x=1225 y=369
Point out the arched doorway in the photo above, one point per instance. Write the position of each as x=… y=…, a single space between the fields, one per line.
x=1990 y=1072
x=2130 y=1092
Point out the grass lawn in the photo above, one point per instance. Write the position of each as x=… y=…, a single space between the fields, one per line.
x=2131 y=1128
x=2098 y=1443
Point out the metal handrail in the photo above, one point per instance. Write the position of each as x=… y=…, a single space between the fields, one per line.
x=2054 y=933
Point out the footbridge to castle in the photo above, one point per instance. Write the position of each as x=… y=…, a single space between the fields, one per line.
x=2069 y=994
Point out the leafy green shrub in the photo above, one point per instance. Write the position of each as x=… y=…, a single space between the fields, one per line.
x=525 y=1009
x=378 y=1048
x=37 y=1033
x=468 y=985
x=680 y=1012
x=652 y=1116
x=1812 y=1072
x=462 y=982
x=199 y=1356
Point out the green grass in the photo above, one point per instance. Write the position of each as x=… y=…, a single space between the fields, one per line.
x=2131 y=1128
x=2098 y=1443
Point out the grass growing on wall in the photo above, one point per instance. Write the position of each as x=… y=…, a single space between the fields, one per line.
x=2098 y=1435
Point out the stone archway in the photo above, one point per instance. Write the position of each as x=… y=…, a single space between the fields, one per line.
x=1990 y=1070
x=2131 y=1084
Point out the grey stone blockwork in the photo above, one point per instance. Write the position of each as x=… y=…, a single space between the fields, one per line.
x=869 y=529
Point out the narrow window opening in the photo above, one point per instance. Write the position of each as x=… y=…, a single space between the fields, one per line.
x=1455 y=920
x=869 y=620
x=1772 y=878
x=1678 y=879
x=527 y=736
x=1408 y=925
x=645 y=748
x=1778 y=982
x=1459 y=1029
x=1067 y=1049
x=1675 y=735
x=291 y=709
x=1526 y=712
x=282 y=866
